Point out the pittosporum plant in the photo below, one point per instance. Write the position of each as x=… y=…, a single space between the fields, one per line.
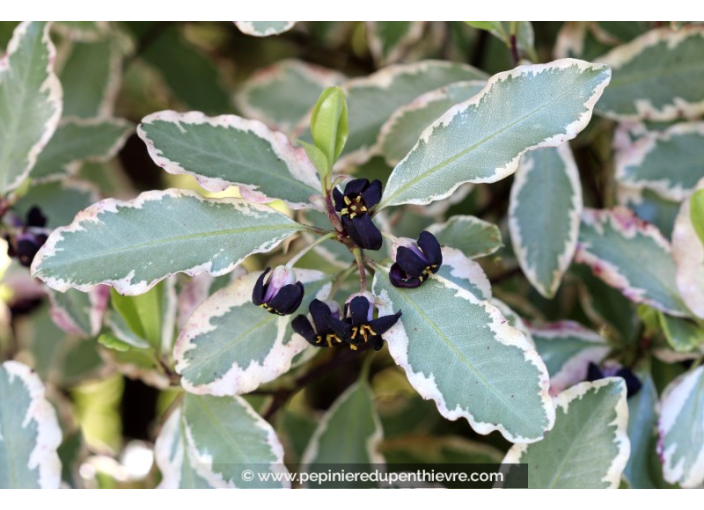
x=318 y=260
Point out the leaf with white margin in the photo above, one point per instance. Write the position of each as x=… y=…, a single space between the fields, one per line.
x=630 y=255
x=681 y=428
x=669 y=162
x=403 y=129
x=650 y=206
x=514 y=320
x=372 y=99
x=264 y=28
x=91 y=78
x=77 y=140
x=30 y=101
x=473 y=236
x=544 y=211
x=349 y=434
x=194 y=292
x=656 y=76
x=79 y=313
x=588 y=448
x=567 y=348
x=229 y=151
x=688 y=252
x=211 y=441
x=29 y=431
x=460 y=352
x=390 y=40
x=482 y=139
x=59 y=200
x=642 y=418
x=282 y=94
x=464 y=272
x=230 y=346
x=132 y=245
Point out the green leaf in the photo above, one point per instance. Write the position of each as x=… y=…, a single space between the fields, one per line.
x=630 y=255
x=84 y=31
x=231 y=151
x=587 y=448
x=696 y=208
x=349 y=434
x=688 y=253
x=459 y=351
x=669 y=162
x=544 y=212
x=681 y=334
x=78 y=140
x=656 y=76
x=264 y=28
x=482 y=139
x=282 y=94
x=178 y=231
x=29 y=432
x=59 y=201
x=642 y=419
x=30 y=101
x=473 y=236
x=681 y=427
x=113 y=343
x=567 y=348
x=389 y=41
x=420 y=449
x=504 y=30
x=209 y=442
x=328 y=124
x=230 y=346
x=372 y=99
x=91 y=79
x=403 y=129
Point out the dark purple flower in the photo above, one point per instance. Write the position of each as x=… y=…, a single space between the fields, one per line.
x=358 y=327
x=318 y=333
x=633 y=384
x=416 y=262
x=30 y=235
x=281 y=294
x=359 y=197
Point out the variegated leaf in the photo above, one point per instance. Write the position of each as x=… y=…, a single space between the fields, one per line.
x=372 y=99
x=464 y=272
x=482 y=139
x=194 y=293
x=688 y=252
x=681 y=427
x=78 y=140
x=210 y=442
x=567 y=348
x=651 y=80
x=460 y=352
x=29 y=431
x=282 y=94
x=79 y=313
x=651 y=207
x=669 y=162
x=91 y=79
x=544 y=212
x=349 y=434
x=390 y=40
x=403 y=129
x=230 y=346
x=59 y=200
x=473 y=236
x=264 y=28
x=132 y=245
x=231 y=151
x=587 y=448
x=30 y=101
x=642 y=419
x=85 y=31
x=630 y=255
